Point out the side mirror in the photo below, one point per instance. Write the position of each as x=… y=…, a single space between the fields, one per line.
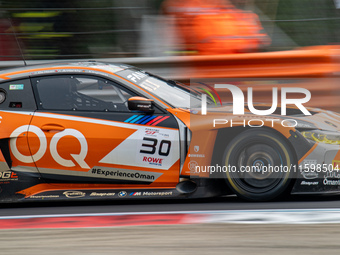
x=140 y=104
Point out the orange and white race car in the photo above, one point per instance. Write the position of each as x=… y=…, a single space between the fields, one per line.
x=89 y=130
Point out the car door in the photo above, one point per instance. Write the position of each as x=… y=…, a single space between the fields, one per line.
x=83 y=132
x=17 y=105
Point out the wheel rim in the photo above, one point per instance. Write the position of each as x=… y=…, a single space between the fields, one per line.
x=258 y=158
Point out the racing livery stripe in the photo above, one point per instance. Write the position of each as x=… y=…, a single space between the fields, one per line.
x=45 y=187
x=142 y=119
x=159 y=121
x=148 y=123
x=131 y=118
x=107 y=173
x=142 y=140
x=84 y=119
x=146 y=119
x=134 y=120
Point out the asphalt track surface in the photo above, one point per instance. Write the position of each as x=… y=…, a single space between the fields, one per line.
x=166 y=205
x=207 y=238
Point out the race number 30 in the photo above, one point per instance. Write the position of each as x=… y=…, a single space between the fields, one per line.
x=150 y=147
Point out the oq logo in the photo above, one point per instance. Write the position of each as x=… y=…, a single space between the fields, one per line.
x=79 y=158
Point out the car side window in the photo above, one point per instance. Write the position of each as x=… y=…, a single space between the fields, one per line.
x=80 y=93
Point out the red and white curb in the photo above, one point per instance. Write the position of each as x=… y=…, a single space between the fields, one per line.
x=98 y=220
x=303 y=216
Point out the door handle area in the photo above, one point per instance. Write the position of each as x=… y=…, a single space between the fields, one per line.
x=52 y=127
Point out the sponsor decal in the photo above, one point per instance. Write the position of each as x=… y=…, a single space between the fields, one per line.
x=196 y=149
x=192 y=166
x=157 y=193
x=44 y=196
x=135 y=194
x=102 y=194
x=137 y=76
x=109 y=68
x=154 y=132
x=308 y=165
x=144 y=106
x=158 y=143
x=155 y=146
x=16 y=86
x=8 y=176
x=95 y=72
x=151 y=132
x=310 y=175
x=332 y=179
x=122 y=193
x=153 y=161
x=44 y=72
x=309 y=162
x=151 y=193
x=53 y=146
x=74 y=194
x=124 y=174
x=68 y=71
x=196 y=155
x=309 y=183
x=336 y=164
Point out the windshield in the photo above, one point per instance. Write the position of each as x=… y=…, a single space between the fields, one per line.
x=171 y=92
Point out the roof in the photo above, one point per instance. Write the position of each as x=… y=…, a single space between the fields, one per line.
x=80 y=66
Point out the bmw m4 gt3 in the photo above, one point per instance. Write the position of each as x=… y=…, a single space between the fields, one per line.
x=89 y=130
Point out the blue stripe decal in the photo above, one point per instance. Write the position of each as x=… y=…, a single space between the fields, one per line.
x=142 y=119
x=139 y=117
x=148 y=119
x=131 y=118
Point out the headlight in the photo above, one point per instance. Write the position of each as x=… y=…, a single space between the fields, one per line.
x=322 y=136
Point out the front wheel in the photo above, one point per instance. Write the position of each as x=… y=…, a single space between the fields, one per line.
x=260 y=165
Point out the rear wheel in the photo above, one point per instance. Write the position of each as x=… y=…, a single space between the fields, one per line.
x=259 y=164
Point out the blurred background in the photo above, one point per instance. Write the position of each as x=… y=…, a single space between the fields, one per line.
x=152 y=28
x=186 y=39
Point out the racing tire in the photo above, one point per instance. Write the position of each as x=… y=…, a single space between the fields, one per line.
x=260 y=165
